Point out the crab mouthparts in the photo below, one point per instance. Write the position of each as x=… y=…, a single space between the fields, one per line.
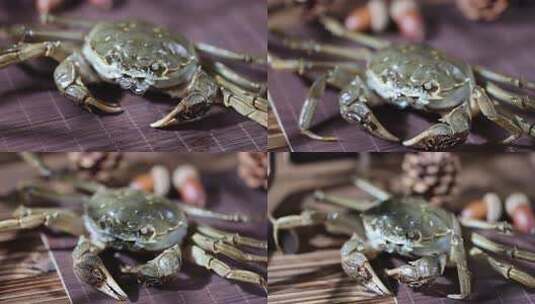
x=137 y=86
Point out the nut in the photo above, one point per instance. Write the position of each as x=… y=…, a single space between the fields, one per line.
x=157 y=181
x=407 y=16
x=359 y=19
x=518 y=208
x=187 y=182
x=488 y=208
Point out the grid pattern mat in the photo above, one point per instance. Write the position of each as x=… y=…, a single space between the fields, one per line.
x=502 y=46
x=194 y=284
x=37 y=118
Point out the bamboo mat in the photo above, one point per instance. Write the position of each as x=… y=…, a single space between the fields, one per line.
x=505 y=45
x=35 y=117
x=315 y=278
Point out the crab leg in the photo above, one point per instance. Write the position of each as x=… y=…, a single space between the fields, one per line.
x=36 y=162
x=514 y=124
x=338 y=29
x=500 y=78
x=230 y=55
x=66 y=21
x=158 y=270
x=90 y=269
x=306 y=218
x=220 y=247
x=314 y=96
x=514 y=252
x=458 y=256
x=234 y=77
x=451 y=131
x=24 y=51
x=301 y=65
x=203 y=213
x=312 y=46
x=524 y=102
x=55 y=218
x=507 y=270
x=200 y=257
x=68 y=77
x=503 y=227
x=231 y=238
x=371 y=189
x=255 y=99
x=25 y=34
x=253 y=107
x=354 y=258
x=343 y=201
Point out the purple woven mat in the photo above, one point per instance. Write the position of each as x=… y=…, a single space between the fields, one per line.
x=36 y=117
x=505 y=46
x=194 y=284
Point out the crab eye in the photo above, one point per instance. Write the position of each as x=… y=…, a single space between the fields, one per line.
x=414 y=235
x=147 y=231
x=431 y=86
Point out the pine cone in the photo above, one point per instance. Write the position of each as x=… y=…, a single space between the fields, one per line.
x=252 y=168
x=432 y=175
x=486 y=10
x=96 y=165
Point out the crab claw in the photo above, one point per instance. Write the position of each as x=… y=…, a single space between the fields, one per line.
x=188 y=110
x=90 y=269
x=438 y=137
x=91 y=102
x=356 y=265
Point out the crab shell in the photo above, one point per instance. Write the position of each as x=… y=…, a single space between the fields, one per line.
x=408 y=226
x=419 y=76
x=128 y=219
x=138 y=55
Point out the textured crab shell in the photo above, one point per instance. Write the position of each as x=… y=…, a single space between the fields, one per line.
x=138 y=49
x=134 y=220
x=408 y=226
x=419 y=76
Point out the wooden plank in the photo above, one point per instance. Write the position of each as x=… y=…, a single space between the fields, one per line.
x=314 y=278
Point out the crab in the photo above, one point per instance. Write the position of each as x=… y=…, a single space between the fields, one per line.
x=406 y=75
x=138 y=222
x=137 y=56
x=410 y=227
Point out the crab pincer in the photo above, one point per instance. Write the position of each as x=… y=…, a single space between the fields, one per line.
x=89 y=268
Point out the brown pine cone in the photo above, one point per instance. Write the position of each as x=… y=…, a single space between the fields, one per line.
x=96 y=165
x=252 y=168
x=432 y=175
x=486 y=10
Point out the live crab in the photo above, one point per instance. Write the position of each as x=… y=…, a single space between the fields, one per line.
x=135 y=221
x=407 y=76
x=411 y=227
x=138 y=56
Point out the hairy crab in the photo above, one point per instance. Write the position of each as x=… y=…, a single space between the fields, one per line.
x=407 y=76
x=138 y=56
x=135 y=221
x=410 y=227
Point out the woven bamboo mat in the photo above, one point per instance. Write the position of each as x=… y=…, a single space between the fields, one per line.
x=35 y=117
x=505 y=45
